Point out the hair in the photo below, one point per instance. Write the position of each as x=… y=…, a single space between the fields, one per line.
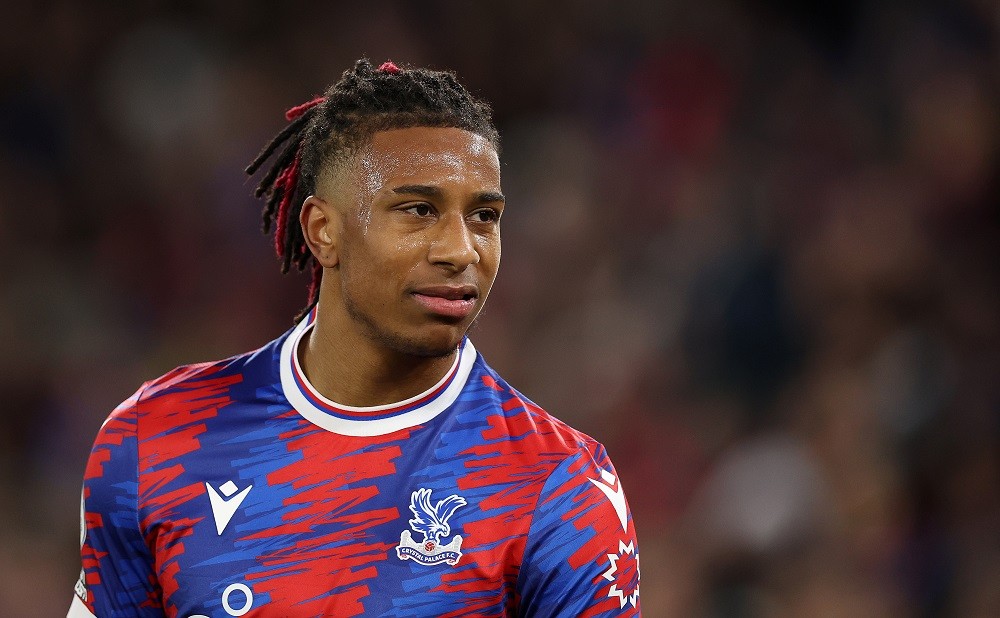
x=331 y=128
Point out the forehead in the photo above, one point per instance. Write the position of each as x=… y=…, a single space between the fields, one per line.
x=427 y=155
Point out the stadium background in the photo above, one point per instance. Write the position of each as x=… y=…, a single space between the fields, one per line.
x=752 y=247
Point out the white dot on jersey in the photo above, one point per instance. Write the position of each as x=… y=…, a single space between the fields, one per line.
x=228 y=488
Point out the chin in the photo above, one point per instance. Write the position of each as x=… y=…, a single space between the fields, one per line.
x=429 y=348
x=440 y=340
x=431 y=341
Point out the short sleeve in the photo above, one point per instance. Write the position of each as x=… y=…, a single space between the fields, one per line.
x=581 y=557
x=118 y=577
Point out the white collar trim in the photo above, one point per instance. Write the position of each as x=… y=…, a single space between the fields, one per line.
x=385 y=419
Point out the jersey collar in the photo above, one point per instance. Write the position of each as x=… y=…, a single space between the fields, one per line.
x=373 y=420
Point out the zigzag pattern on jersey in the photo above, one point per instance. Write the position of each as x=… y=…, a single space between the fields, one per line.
x=172 y=414
x=501 y=475
x=117 y=502
x=590 y=527
x=320 y=524
x=341 y=493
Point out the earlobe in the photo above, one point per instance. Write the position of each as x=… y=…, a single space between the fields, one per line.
x=321 y=228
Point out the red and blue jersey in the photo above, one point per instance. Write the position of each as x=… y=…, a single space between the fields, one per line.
x=235 y=489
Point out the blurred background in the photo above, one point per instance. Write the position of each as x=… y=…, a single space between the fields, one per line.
x=750 y=245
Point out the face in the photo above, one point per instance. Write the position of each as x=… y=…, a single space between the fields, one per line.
x=418 y=243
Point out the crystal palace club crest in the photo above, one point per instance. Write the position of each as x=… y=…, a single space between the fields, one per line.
x=431 y=521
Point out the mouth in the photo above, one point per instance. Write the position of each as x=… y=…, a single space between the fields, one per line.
x=455 y=302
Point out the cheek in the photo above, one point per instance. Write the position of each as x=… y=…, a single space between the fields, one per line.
x=376 y=264
x=404 y=246
x=489 y=252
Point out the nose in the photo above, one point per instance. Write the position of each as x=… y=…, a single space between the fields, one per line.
x=454 y=245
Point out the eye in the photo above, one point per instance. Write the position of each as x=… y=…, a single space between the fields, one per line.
x=421 y=210
x=486 y=215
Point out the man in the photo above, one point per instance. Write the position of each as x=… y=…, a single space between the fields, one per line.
x=368 y=461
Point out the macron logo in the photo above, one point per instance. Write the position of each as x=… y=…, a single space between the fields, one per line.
x=616 y=496
x=224 y=508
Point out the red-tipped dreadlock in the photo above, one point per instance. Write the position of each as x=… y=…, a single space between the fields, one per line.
x=281 y=185
x=330 y=127
x=286 y=183
x=298 y=110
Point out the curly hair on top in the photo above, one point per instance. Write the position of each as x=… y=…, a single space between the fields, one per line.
x=332 y=127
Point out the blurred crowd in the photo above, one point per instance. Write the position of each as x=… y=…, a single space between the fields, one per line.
x=751 y=246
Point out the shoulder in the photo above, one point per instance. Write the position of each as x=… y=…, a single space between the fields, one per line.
x=198 y=385
x=521 y=419
x=580 y=546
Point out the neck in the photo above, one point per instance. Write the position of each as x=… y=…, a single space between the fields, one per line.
x=352 y=368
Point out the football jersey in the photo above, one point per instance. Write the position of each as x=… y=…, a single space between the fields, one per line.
x=234 y=488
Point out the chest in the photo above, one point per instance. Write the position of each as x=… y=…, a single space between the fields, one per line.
x=312 y=528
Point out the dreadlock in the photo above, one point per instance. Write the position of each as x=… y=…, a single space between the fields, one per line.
x=332 y=127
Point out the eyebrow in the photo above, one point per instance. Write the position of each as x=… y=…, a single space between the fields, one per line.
x=482 y=197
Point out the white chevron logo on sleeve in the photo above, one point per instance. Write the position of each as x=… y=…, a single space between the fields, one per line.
x=616 y=496
x=223 y=509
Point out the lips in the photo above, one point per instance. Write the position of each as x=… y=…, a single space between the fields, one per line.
x=455 y=302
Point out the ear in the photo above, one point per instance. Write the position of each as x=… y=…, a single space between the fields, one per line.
x=321 y=226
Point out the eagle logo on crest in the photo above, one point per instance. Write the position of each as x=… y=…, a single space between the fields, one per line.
x=431 y=521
